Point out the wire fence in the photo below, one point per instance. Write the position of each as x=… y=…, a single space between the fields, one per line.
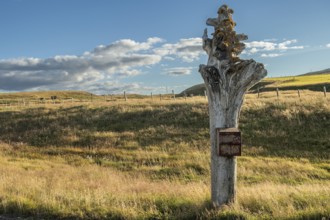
x=56 y=100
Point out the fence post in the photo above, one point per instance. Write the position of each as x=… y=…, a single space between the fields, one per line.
x=298 y=93
x=277 y=93
x=152 y=98
x=325 y=91
x=205 y=94
x=258 y=92
x=125 y=96
x=173 y=94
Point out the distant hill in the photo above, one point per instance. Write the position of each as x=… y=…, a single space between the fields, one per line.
x=65 y=95
x=325 y=71
x=194 y=90
x=314 y=81
x=47 y=95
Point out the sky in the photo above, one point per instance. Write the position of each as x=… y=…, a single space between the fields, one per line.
x=144 y=46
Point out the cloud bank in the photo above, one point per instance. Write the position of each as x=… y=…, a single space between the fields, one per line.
x=271 y=48
x=188 y=50
x=178 y=71
x=92 y=69
x=101 y=69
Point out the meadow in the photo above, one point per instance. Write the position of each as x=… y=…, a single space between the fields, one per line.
x=107 y=158
x=298 y=80
x=314 y=82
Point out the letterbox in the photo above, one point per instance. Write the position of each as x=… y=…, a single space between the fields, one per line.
x=229 y=142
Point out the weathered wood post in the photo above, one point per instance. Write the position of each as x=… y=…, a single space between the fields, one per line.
x=173 y=94
x=277 y=93
x=125 y=97
x=227 y=78
x=325 y=91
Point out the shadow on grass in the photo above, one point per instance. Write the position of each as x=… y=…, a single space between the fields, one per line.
x=76 y=126
x=281 y=131
x=274 y=128
x=164 y=209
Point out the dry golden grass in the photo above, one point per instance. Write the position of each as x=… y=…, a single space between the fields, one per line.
x=149 y=159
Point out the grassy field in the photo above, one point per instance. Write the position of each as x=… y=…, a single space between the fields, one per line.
x=315 y=82
x=149 y=159
x=297 y=81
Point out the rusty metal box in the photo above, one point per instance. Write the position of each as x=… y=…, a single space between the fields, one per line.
x=229 y=142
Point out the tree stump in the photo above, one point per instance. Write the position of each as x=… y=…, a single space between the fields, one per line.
x=227 y=78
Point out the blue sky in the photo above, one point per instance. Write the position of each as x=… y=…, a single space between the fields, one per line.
x=143 y=46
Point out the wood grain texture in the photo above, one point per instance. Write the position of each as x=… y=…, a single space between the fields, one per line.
x=227 y=78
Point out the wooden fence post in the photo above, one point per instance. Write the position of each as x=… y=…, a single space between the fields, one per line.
x=173 y=95
x=298 y=93
x=125 y=96
x=277 y=93
x=325 y=91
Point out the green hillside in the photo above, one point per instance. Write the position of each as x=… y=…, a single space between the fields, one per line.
x=325 y=71
x=314 y=82
x=311 y=82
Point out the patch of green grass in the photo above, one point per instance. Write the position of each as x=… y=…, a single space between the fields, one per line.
x=298 y=80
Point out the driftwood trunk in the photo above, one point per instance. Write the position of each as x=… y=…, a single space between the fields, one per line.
x=227 y=78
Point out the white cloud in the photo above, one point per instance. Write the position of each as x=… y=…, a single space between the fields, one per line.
x=90 y=70
x=271 y=55
x=270 y=46
x=254 y=50
x=116 y=87
x=188 y=50
x=328 y=45
x=121 y=58
x=271 y=39
x=260 y=46
x=178 y=71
